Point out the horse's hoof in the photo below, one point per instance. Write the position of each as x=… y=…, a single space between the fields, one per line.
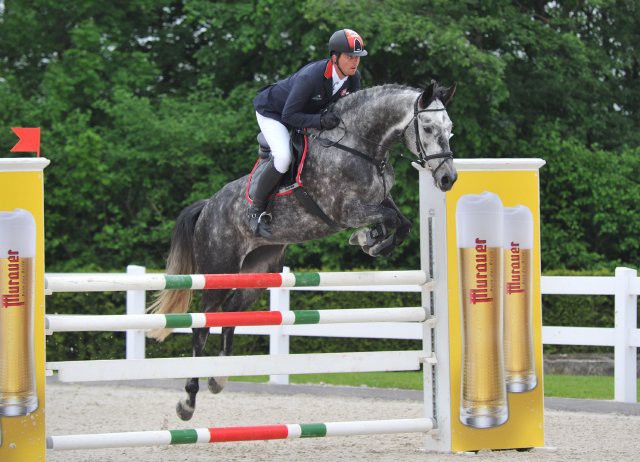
x=359 y=237
x=216 y=384
x=382 y=248
x=184 y=410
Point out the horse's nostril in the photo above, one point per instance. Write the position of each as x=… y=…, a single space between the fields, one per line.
x=445 y=181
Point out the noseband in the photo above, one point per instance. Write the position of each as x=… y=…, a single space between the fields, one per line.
x=423 y=157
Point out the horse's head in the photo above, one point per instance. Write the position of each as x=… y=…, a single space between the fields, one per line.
x=428 y=133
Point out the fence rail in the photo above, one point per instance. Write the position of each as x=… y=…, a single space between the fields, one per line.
x=624 y=337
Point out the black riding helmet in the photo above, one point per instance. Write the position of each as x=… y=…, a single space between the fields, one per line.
x=347 y=41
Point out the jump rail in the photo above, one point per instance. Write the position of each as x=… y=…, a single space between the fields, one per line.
x=216 y=366
x=227 y=434
x=108 y=323
x=120 y=282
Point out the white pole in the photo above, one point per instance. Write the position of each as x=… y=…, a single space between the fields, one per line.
x=435 y=340
x=280 y=300
x=626 y=319
x=136 y=302
x=211 y=366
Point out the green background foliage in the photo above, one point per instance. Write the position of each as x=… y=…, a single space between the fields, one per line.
x=145 y=107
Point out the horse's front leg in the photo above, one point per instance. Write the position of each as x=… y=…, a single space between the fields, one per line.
x=385 y=220
x=402 y=230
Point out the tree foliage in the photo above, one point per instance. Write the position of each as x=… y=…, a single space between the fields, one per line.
x=145 y=106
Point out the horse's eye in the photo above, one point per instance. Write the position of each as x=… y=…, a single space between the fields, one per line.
x=428 y=130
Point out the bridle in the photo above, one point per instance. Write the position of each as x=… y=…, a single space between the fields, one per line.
x=423 y=157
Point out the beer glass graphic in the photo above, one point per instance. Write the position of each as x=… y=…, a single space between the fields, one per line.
x=17 y=278
x=479 y=228
x=519 y=361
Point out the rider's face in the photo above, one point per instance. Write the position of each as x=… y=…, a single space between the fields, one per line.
x=348 y=64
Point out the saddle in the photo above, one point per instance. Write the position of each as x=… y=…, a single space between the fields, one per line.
x=291 y=182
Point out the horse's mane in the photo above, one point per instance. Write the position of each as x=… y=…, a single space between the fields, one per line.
x=355 y=100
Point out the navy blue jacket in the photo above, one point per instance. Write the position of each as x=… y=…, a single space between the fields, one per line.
x=297 y=100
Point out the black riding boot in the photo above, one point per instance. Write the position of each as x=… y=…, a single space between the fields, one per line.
x=257 y=217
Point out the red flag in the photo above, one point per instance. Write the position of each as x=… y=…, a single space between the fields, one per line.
x=29 y=140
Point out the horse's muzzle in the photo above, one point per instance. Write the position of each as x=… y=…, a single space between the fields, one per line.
x=445 y=183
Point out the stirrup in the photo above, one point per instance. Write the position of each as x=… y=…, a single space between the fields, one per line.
x=265 y=217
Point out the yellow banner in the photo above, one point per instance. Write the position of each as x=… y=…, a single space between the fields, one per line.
x=22 y=340
x=495 y=315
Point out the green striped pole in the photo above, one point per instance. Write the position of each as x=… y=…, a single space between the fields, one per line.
x=229 y=434
x=108 y=323
x=123 y=282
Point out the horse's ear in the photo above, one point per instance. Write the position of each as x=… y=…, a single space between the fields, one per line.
x=427 y=95
x=448 y=95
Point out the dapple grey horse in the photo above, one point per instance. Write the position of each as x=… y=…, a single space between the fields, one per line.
x=346 y=173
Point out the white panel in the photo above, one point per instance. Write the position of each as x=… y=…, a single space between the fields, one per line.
x=23 y=164
x=577 y=285
x=465 y=165
x=382 y=330
x=138 y=369
x=597 y=336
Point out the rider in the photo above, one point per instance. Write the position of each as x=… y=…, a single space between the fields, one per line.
x=298 y=102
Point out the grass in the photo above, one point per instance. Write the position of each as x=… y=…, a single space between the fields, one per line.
x=562 y=386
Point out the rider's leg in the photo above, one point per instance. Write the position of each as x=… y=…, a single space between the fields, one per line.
x=277 y=136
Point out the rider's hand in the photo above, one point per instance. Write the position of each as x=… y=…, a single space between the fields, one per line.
x=329 y=120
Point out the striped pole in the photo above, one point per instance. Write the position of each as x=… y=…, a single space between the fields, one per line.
x=122 y=282
x=228 y=434
x=108 y=323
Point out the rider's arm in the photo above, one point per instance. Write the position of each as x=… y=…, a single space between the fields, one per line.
x=300 y=94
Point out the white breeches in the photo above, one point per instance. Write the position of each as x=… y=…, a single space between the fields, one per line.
x=278 y=138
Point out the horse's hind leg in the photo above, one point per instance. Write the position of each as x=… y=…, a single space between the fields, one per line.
x=239 y=301
x=187 y=406
x=265 y=259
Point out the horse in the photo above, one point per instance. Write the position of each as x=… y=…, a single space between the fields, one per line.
x=347 y=174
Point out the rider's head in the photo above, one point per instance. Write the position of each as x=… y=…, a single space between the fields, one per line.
x=346 y=46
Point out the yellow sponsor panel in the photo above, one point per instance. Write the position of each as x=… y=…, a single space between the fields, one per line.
x=472 y=384
x=23 y=436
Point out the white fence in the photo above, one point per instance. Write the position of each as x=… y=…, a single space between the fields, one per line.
x=624 y=336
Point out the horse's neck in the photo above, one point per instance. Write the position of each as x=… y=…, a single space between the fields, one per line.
x=381 y=119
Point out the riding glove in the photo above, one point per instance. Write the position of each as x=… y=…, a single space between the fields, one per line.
x=329 y=121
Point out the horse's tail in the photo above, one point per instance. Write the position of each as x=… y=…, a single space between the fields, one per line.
x=181 y=260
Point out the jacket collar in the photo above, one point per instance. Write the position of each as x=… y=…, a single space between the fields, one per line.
x=328 y=71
